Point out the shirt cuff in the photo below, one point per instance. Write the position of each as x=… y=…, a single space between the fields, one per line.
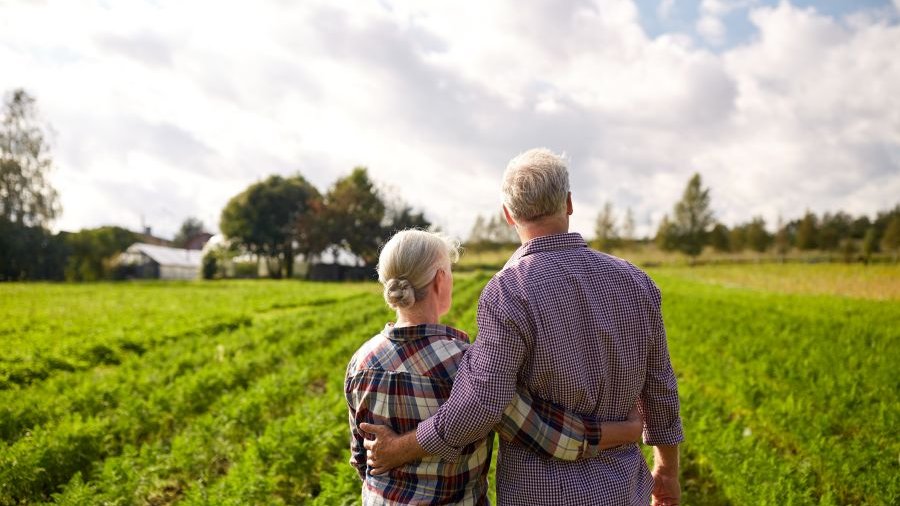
x=667 y=436
x=428 y=438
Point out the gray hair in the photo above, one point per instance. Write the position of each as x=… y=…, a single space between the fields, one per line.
x=535 y=185
x=408 y=263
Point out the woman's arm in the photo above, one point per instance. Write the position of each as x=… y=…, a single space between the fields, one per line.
x=549 y=430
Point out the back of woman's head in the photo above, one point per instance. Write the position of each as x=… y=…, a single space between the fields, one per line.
x=408 y=263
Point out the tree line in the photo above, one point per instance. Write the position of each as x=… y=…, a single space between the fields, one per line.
x=693 y=227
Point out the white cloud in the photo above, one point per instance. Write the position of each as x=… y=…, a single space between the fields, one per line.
x=164 y=116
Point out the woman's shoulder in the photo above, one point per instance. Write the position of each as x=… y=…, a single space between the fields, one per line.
x=435 y=353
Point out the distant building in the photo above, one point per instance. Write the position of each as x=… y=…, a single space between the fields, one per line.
x=151 y=261
x=198 y=241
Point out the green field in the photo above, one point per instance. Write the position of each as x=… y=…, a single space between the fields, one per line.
x=231 y=392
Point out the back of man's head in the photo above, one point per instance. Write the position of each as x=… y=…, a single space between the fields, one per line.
x=535 y=185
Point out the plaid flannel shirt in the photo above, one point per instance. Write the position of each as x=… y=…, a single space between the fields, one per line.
x=402 y=376
x=581 y=329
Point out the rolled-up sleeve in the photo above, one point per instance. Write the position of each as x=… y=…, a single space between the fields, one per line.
x=486 y=379
x=659 y=398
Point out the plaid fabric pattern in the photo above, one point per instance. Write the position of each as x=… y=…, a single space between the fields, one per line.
x=402 y=376
x=578 y=328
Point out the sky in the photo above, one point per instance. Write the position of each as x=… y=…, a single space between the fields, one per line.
x=160 y=110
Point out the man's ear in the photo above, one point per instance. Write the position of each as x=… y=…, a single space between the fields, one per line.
x=509 y=219
x=569 y=204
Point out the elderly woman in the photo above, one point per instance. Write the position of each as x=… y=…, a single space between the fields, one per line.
x=403 y=374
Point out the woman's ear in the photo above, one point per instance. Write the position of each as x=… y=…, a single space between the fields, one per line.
x=440 y=277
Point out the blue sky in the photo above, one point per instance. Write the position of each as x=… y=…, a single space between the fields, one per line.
x=165 y=109
x=682 y=16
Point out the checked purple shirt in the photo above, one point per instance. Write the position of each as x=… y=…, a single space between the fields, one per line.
x=580 y=329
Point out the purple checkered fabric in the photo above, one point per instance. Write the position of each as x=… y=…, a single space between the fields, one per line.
x=401 y=376
x=578 y=328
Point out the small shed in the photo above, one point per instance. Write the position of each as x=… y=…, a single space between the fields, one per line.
x=150 y=261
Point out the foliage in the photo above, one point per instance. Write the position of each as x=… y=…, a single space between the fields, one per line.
x=693 y=217
x=807 y=232
x=492 y=233
x=190 y=228
x=31 y=253
x=26 y=196
x=354 y=213
x=606 y=233
x=719 y=238
x=667 y=235
x=266 y=220
x=92 y=251
x=891 y=240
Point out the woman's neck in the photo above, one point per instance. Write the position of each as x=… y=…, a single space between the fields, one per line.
x=417 y=316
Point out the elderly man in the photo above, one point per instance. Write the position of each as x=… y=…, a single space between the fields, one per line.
x=579 y=328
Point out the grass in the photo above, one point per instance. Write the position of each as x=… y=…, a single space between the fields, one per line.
x=231 y=392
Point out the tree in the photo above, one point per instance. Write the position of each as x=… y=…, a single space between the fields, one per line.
x=29 y=253
x=354 y=213
x=265 y=220
x=737 y=238
x=499 y=232
x=628 y=228
x=478 y=234
x=870 y=244
x=190 y=228
x=492 y=233
x=719 y=238
x=833 y=229
x=91 y=252
x=666 y=235
x=890 y=242
x=398 y=215
x=26 y=196
x=606 y=234
x=757 y=237
x=782 y=238
x=807 y=232
x=693 y=218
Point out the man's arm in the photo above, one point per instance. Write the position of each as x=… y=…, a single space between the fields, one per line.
x=660 y=407
x=486 y=379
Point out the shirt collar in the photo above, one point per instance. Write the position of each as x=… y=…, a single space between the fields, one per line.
x=553 y=242
x=420 y=331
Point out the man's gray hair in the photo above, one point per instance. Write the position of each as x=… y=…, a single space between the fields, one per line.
x=535 y=185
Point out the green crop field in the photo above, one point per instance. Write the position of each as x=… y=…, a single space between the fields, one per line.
x=231 y=392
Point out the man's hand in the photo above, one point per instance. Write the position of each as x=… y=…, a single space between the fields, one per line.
x=666 y=489
x=388 y=450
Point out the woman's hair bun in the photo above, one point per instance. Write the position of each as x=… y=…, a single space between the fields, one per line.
x=399 y=293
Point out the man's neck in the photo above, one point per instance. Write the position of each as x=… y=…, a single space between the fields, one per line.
x=550 y=226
